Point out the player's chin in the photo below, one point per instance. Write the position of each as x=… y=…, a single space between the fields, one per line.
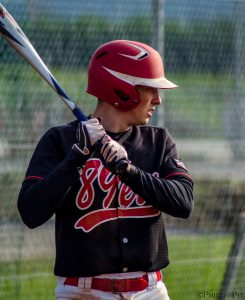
x=144 y=121
x=141 y=119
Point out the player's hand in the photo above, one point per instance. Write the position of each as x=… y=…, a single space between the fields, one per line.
x=113 y=154
x=88 y=134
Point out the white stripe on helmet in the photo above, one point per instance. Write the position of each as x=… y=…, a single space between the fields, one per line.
x=142 y=53
x=160 y=83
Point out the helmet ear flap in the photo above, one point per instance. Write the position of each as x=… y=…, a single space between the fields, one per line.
x=125 y=96
x=121 y=95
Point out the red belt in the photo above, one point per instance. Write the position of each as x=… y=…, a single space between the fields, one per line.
x=117 y=285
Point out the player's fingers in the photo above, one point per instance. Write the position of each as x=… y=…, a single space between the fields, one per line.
x=106 y=139
x=106 y=151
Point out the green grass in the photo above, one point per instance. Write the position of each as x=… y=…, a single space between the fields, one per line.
x=32 y=91
x=197 y=264
x=30 y=280
x=197 y=108
x=200 y=99
x=199 y=104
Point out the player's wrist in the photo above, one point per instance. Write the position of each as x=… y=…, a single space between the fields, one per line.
x=80 y=154
x=72 y=161
x=84 y=151
x=125 y=169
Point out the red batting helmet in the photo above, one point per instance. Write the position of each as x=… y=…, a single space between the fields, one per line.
x=118 y=66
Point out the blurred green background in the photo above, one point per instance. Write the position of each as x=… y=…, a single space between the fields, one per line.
x=202 y=44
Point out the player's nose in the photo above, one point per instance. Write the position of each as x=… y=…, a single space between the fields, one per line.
x=159 y=100
x=156 y=100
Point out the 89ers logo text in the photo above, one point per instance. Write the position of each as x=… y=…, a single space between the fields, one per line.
x=130 y=205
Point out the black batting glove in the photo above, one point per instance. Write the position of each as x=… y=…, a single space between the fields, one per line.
x=88 y=134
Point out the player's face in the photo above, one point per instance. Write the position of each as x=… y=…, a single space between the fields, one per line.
x=149 y=100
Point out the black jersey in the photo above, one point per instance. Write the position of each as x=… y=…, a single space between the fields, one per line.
x=104 y=225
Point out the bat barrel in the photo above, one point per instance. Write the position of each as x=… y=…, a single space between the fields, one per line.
x=13 y=34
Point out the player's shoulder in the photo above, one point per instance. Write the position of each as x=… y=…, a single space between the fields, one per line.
x=59 y=133
x=66 y=126
x=150 y=134
x=63 y=128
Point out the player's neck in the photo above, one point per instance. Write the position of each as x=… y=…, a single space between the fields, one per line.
x=113 y=120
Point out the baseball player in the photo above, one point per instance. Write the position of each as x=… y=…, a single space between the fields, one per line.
x=108 y=182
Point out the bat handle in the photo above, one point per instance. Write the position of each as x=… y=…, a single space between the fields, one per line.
x=79 y=114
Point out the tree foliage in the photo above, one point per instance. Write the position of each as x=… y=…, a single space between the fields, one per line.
x=201 y=47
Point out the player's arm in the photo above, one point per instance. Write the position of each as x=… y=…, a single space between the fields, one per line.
x=171 y=193
x=50 y=175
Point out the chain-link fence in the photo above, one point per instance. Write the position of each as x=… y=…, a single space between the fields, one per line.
x=202 y=43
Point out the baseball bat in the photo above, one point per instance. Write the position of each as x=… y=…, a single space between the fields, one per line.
x=13 y=34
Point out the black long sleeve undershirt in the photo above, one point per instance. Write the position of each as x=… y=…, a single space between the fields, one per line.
x=173 y=196
x=40 y=198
